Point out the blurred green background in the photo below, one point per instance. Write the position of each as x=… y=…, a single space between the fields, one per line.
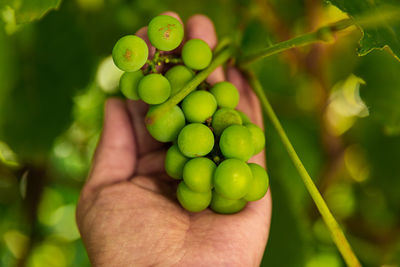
x=342 y=113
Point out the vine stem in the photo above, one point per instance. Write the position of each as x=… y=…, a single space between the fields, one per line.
x=323 y=34
x=219 y=59
x=336 y=232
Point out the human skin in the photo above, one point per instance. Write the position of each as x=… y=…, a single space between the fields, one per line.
x=128 y=214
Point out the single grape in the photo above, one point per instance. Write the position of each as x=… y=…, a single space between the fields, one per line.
x=259 y=185
x=236 y=142
x=174 y=162
x=130 y=53
x=128 y=84
x=199 y=106
x=245 y=118
x=258 y=137
x=178 y=76
x=223 y=118
x=195 y=140
x=196 y=54
x=223 y=205
x=198 y=174
x=154 y=89
x=193 y=201
x=232 y=179
x=165 y=32
x=226 y=94
x=167 y=127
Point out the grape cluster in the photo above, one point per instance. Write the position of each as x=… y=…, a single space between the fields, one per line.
x=211 y=141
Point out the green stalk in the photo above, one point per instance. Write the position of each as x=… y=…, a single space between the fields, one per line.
x=220 y=58
x=323 y=34
x=334 y=228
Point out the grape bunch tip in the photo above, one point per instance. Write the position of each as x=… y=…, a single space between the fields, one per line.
x=211 y=140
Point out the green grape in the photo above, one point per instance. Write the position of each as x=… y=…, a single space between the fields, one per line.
x=198 y=106
x=198 y=174
x=154 y=89
x=223 y=118
x=196 y=54
x=128 y=84
x=223 y=205
x=226 y=94
x=232 y=179
x=130 y=53
x=258 y=137
x=193 y=201
x=259 y=185
x=165 y=32
x=236 y=142
x=167 y=127
x=245 y=118
x=178 y=77
x=195 y=140
x=174 y=162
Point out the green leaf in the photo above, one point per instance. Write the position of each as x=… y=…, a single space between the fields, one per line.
x=30 y=10
x=53 y=62
x=384 y=14
x=381 y=92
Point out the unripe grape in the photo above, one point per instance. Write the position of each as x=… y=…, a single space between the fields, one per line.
x=198 y=174
x=178 y=76
x=257 y=136
x=198 y=106
x=128 y=84
x=236 y=142
x=130 y=53
x=226 y=94
x=193 y=201
x=232 y=179
x=195 y=140
x=154 y=89
x=167 y=127
x=223 y=118
x=196 y=54
x=165 y=32
x=259 y=185
x=245 y=118
x=223 y=205
x=174 y=162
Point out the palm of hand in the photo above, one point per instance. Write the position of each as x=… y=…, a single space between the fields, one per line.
x=128 y=214
x=138 y=223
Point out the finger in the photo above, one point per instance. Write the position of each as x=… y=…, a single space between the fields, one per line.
x=145 y=142
x=218 y=75
x=202 y=27
x=116 y=153
x=173 y=14
x=249 y=104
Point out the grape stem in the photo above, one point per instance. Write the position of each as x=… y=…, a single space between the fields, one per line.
x=159 y=111
x=334 y=228
x=323 y=34
x=382 y=16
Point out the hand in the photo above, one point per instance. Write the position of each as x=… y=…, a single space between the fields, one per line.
x=128 y=214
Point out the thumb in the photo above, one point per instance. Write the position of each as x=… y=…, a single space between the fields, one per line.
x=116 y=154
